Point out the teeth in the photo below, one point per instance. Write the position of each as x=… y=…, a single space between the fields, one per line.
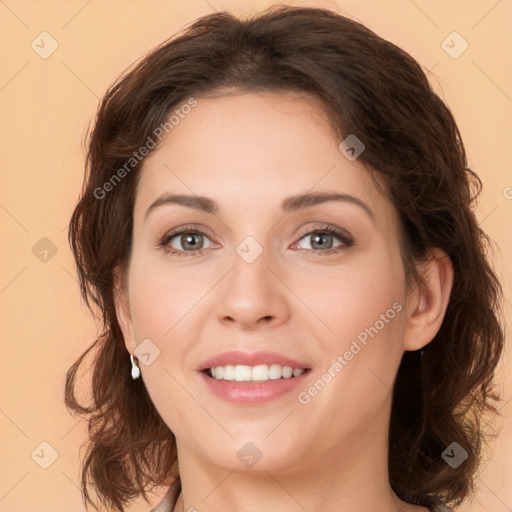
x=288 y=372
x=229 y=372
x=259 y=373
x=242 y=373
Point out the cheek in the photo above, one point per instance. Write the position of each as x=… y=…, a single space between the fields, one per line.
x=360 y=330
x=358 y=363
x=365 y=293
x=162 y=295
x=162 y=307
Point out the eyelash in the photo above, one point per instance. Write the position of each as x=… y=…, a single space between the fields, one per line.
x=346 y=240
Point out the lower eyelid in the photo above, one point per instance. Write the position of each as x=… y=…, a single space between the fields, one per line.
x=167 y=240
x=345 y=242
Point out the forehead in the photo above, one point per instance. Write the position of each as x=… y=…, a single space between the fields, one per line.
x=244 y=148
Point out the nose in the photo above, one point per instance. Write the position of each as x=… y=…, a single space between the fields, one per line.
x=252 y=295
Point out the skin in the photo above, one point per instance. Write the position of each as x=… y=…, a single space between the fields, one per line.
x=248 y=151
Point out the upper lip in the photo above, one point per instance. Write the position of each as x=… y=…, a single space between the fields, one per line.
x=236 y=357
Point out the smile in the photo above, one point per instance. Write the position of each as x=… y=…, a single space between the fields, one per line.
x=253 y=385
x=259 y=373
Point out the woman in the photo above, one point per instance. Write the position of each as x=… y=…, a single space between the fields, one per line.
x=276 y=226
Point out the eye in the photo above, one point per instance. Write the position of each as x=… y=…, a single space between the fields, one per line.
x=186 y=241
x=190 y=241
x=322 y=241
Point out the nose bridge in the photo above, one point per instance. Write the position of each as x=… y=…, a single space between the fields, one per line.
x=252 y=292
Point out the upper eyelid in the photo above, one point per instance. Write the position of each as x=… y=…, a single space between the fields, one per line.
x=202 y=230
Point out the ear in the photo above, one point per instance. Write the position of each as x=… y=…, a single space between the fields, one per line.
x=123 y=311
x=427 y=303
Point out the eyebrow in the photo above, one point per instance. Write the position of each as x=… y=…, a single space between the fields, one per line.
x=290 y=204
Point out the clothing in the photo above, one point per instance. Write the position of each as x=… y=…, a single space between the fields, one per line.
x=169 y=502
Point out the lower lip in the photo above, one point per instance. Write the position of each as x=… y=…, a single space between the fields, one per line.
x=252 y=392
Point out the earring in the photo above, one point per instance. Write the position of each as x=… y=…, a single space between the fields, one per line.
x=135 y=368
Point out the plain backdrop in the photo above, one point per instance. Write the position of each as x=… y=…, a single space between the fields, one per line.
x=46 y=102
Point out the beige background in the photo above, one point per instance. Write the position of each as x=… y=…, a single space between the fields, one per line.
x=45 y=106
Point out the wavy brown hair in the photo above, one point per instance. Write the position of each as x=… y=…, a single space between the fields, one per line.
x=371 y=88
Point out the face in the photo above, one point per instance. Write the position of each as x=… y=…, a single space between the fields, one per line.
x=319 y=285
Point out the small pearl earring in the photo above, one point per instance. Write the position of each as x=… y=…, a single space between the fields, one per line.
x=135 y=368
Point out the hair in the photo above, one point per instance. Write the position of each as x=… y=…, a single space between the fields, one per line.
x=371 y=88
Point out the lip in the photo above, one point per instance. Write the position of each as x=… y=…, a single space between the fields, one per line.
x=252 y=392
x=236 y=357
